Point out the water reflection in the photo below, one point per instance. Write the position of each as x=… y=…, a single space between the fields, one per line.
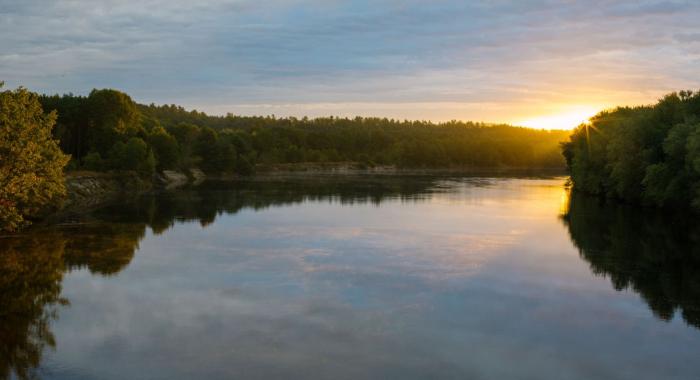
x=654 y=253
x=204 y=203
x=31 y=270
x=334 y=286
x=32 y=264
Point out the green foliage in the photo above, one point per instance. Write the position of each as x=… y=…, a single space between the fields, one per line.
x=645 y=155
x=271 y=140
x=185 y=135
x=113 y=116
x=134 y=155
x=31 y=162
x=94 y=161
x=72 y=124
x=217 y=151
x=94 y=123
x=165 y=148
x=105 y=120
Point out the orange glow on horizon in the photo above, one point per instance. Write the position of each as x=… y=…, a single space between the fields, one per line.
x=568 y=118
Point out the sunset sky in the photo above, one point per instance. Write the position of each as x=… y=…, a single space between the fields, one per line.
x=536 y=63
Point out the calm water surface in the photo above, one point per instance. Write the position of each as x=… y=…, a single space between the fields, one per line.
x=368 y=278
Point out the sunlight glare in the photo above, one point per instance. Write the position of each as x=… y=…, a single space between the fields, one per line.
x=568 y=119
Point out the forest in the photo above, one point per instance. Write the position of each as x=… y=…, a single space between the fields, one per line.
x=44 y=136
x=646 y=155
x=106 y=130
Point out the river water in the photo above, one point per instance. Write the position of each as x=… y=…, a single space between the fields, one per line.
x=355 y=278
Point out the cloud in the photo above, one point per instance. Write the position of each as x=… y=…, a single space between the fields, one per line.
x=236 y=54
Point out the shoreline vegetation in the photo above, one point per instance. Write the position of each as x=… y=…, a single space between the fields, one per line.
x=69 y=151
x=646 y=155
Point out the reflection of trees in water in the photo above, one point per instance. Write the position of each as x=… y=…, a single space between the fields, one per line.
x=103 y=248
x=205 y=203
x=32 y=264
x=31 y=271
x=30 y=285
x=654 y=253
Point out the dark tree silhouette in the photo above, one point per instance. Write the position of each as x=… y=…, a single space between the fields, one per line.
x=647 y=155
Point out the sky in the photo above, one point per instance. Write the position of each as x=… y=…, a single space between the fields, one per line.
x=539 y=63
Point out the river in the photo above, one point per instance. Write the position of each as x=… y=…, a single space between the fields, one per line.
x=355 y=278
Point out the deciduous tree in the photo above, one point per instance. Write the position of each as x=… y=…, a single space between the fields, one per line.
x=31 y=162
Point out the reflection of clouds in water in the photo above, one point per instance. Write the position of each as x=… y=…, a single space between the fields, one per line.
x=255 y=338
x=354 y=250
x=255 y=302
x=450 y=288
x=429 y=256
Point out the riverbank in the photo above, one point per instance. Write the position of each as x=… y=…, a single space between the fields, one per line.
x=87 y=191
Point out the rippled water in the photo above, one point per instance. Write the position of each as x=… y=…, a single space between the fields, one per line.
x=329 y=278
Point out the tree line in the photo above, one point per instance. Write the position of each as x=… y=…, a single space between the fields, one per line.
x=645 y=155
x=106 y=130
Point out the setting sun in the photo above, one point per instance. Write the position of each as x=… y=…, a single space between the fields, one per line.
x=568 y=119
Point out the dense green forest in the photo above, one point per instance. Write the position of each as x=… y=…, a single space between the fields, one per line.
x=106 y=130
x=648 y=155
